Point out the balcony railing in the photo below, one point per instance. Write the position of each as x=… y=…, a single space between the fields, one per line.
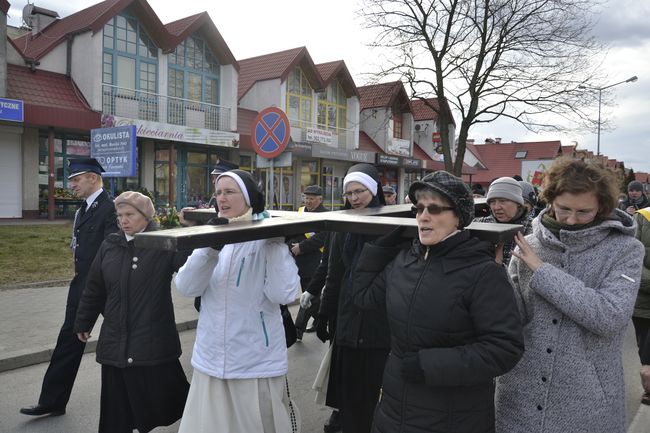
x=339 y=138
x=142 y=105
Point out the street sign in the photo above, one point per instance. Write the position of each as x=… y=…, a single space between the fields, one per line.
x=435 y=137
x=270 y=132
x=11 y=110
x=115 y=149
x=284 y=160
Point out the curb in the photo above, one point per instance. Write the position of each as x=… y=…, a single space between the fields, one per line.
x=33 y=358
x=36 y=285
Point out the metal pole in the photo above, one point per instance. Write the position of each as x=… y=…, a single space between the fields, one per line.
x=271 y=183
x=600 y=93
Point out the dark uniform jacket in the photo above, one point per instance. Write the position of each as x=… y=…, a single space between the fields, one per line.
x=310 y=251
x=131 y=287
x=457 y=310
x=90 y=230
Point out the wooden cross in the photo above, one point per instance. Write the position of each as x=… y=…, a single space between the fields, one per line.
x=370 y=221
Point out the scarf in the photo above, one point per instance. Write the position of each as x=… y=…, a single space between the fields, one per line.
x=554 y=226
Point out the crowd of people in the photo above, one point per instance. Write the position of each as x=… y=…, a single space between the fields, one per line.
x=442 y=332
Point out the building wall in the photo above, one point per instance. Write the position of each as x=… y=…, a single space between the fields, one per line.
x=263 y=94
x=147 y=169
x=55 y=60
x=10 y=171
x=13 y=57
x=3 y=55
x=375 y=122
x=30 y=172
x=228 y=92
x=87 y=67
x=353 y=120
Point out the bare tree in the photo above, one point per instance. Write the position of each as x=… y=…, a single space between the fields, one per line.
x=520 y=59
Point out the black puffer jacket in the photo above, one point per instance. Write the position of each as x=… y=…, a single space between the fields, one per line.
x=456 y=309
x=131 y=287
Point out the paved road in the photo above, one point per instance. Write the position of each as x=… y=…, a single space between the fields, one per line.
x=29 y=323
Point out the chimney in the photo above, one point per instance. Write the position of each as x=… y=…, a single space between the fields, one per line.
x=497 y=140
x=40 y=18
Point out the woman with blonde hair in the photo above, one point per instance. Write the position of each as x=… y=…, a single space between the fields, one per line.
x=576 y=277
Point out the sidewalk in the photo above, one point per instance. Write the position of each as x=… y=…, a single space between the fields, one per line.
x=30 y=319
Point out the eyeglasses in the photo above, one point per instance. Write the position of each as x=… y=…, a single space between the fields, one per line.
x=433 y=209
x=226 y=192
x=563 y=212
x=355 y=193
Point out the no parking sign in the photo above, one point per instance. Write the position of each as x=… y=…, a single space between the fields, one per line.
x=270 y=132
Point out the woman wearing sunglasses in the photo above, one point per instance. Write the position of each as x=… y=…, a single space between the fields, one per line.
x=452 y=315
x=577 y=276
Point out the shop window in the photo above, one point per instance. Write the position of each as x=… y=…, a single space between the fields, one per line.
x=299 y=99
x=308 y=174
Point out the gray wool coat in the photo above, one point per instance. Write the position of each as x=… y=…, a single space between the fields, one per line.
x=575 y=309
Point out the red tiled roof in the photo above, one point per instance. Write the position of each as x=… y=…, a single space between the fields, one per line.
x=642 y=177
x=472 y=148
x=422 y=110
x=276 y=65
x=337 y=69
x=368 y=144
x=429 y=163
x=50 y=99
x=383 y=95
x=92 y=19
x=179 y=31
x=501 y=162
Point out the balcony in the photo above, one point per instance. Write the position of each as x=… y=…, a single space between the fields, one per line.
x=153 y=107
x=338 y=138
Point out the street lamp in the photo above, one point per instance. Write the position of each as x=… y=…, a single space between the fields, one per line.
x=600 y=93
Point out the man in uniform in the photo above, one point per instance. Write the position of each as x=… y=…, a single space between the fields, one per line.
x=94 y=220
x=307 y=250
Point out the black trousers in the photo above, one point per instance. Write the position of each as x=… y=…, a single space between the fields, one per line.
x=64 y=364
x=642 y=329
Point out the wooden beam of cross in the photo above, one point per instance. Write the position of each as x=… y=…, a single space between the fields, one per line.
x=370 y=221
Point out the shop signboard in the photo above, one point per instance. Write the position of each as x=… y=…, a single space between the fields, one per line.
x=283 y=160
x=533 y=171
x=387 y=160
x=114 y=148
x=168 y=131
x=319 y=136
x=342 y=154
x=11 y=110
x=411 y=162
x=399 y=146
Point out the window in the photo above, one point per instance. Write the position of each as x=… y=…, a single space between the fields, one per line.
x=397 y=125
x=333 y=111
x=299 y=99
x=195 y=70
x=130 y=57
x=521 y=154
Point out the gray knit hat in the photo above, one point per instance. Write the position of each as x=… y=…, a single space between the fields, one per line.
x=453 y=189
x=506 y=187
x=528 y=193
x=635 y=185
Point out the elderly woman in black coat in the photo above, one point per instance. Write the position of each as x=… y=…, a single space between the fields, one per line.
x=143 y=383
x=452 y=315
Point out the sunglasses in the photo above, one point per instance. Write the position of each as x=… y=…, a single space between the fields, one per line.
x=433 y=209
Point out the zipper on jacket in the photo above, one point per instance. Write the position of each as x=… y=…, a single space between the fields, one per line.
x=266 y=334
x=241 y=268
x=415 y=292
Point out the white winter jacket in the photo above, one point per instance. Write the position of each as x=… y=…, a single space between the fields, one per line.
x=240 y=332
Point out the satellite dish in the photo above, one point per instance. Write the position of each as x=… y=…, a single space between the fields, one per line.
x=28 y=17
x=417 y=127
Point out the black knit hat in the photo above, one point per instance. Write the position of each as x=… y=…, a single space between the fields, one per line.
x=453 y=189
x=635 y=185
x=253 y=194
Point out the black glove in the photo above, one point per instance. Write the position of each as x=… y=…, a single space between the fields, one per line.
x=411 y=370
x=321 y=328
x=392 y=238
x=217 y=221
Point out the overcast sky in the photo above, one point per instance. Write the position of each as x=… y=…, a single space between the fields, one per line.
x=331 y=31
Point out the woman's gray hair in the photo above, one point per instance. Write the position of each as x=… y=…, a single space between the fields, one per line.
x=428 y=192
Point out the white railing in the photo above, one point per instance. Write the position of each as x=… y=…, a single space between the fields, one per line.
x=142 y=105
